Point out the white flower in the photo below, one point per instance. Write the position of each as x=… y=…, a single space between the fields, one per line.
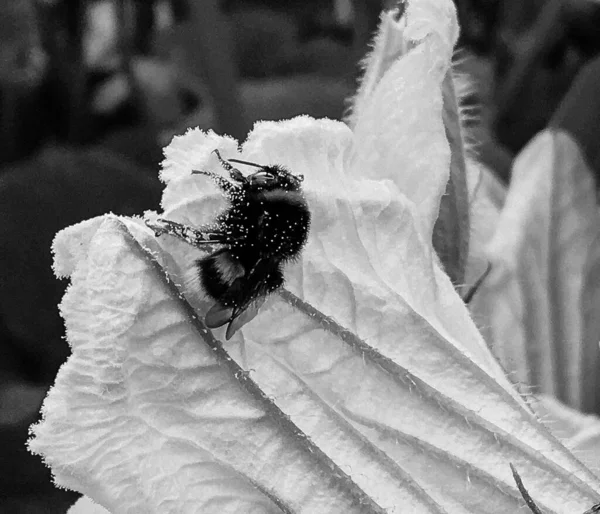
x=370 y=390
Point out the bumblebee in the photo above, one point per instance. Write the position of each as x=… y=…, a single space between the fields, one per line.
x=265 y=225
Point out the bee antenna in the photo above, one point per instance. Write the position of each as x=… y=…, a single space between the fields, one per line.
x=246 y=162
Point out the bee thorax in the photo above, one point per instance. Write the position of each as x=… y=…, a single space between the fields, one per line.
x=275 y=225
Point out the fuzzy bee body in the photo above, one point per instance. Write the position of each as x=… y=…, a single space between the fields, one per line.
x=265 y=225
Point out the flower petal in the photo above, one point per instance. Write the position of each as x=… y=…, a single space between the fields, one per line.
x=361 y=228
x=151 y=413
x=350 y=271
x=399 y=132
x=543 y=285
x=399 y=31
x=579 y=432
x=145 y=417
x=86 y=506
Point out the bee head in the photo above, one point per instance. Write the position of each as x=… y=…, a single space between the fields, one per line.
x=269 y=178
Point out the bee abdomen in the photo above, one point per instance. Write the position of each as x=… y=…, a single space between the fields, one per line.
x=218 y=272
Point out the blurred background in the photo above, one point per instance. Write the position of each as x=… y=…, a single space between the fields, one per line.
x=91 y=90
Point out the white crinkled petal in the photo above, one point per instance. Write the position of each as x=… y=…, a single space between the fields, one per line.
x=71 y=244
x=362 y=227
x=399 y=132
x=86 y=506
x=304 y=144
x=400 y=135
x=191 y=151
x=391 y=404
x=432 y=19
x=146 y=416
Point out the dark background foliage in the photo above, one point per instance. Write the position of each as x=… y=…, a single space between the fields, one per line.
x=91 y=90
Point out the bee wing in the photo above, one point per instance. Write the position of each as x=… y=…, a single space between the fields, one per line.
x=251 y=291
x=218 y=315
x=242 y=316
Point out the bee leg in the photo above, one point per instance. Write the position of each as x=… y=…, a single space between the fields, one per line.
x=188 y=234
x=234 y=173
x=222 y=183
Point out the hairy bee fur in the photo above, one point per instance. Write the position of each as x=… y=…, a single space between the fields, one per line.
x=265 y=225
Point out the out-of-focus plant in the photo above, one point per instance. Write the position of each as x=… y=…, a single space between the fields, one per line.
x=538 y=49
x=57 y=188
x=364 y=387
x=23 y=65
x=541 y=303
